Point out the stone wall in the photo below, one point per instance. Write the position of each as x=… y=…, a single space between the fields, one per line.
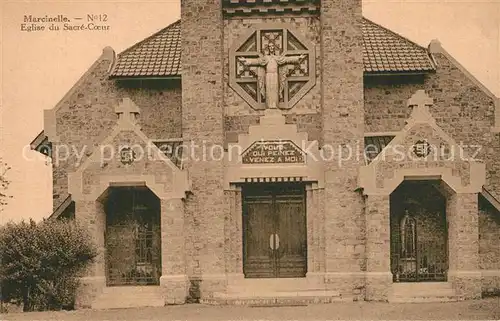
x=463 y=236
x=489 y=247
x=86 y=115
x=342 y=103
x=460 y=108
x=203 y=123
x=378 y=277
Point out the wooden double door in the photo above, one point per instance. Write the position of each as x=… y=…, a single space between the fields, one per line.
x=274 y=231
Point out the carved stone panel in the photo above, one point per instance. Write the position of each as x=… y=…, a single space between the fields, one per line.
x=272 y=67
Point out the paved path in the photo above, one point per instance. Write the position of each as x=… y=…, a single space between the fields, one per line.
x=486 y=309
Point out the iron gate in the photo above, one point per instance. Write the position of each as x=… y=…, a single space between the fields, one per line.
x=133 y=256
x=418 y=253
x=132 y=237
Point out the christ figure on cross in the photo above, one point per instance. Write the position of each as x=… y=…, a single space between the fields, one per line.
x=271 y=79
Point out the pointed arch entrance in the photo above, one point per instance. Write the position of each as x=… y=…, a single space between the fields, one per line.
x=132 y=236
x=422 y=151
x=418 y=232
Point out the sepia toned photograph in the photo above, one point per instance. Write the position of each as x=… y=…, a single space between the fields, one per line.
x=250 y=160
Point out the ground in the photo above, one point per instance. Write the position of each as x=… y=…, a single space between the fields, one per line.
x=485 y=309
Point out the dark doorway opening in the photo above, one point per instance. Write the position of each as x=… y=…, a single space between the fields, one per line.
x=133 y=238
x=419 y=233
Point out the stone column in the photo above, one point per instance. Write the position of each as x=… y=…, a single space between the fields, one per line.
x=234 y=236
x=173 y=280
x=378 y=248
x=229 y=232
x=315 y=237
x=319 y=199
x=463 y=244
x=238 y=224
x=342 y=140
x=203 y=126
x=312 y=243
x=91 y=215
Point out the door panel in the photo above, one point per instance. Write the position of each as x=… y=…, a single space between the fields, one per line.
x=258 y=227
x=291 y=229
x=274 y=225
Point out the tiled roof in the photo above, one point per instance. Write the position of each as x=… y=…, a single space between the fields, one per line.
x=386 y=51
x=156 y=56
x=160 y=54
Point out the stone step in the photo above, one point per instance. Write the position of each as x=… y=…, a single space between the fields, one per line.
x=104 y=304
x=147 y=289
x=307 y=293
x=421 y=289
x=272 y=284
x=129 y=297
x=423 y=299
x=421 y=285
x=275 y=298
x=440 y=292
x=422 y=292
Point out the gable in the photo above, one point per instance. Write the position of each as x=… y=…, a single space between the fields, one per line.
x=422 y=149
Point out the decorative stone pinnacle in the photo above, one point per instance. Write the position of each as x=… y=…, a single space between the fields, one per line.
x=420 y=102
x=127 y=111
x=435 y=46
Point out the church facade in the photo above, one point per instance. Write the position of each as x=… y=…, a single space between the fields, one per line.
x=274 y=152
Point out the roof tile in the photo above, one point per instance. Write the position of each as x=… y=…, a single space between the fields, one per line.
x=383 y=51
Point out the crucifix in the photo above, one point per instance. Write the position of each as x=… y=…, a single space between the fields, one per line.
x=271 y=79
x=127 y=111
x=420 y=102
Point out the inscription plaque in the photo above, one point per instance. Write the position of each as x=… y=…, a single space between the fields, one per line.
x=273 y=152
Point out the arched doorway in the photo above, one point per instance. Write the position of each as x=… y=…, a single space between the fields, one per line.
x=419 y=236
x=132 y=237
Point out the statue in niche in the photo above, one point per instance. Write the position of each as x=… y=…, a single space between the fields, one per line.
x=271 y=79
x=408 y=236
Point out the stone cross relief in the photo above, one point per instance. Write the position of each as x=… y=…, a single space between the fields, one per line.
x=420 y=103
x=271 y=78
x=127 y=111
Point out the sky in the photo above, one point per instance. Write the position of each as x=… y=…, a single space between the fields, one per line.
x=39 y=67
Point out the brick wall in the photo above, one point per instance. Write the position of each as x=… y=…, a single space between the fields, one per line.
x=87 y=115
